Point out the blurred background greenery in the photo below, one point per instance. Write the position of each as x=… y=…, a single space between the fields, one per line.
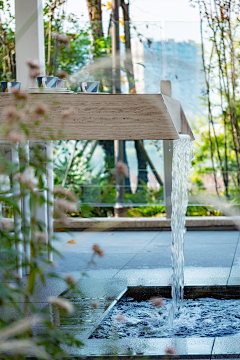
x=203 y=69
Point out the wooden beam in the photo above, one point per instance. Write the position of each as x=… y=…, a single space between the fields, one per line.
x=105 y=116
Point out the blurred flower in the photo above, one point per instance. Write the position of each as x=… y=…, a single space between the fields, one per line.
x=70 y=280
x=6 y=224
x=41 y=109
x=28 y=178
x=33 y=64
x=29 y=173
x=16 y=137
x=34 y=73
x=4 y=183
x=59 y=190
x=24 y=348
x=157 y=301
x=95 y=304
x=62 y=39
x=65 y=205
x=39 y=236
x=67 y=113
x=21 y=346
x=170 y=350
x=122 y=168
x=19 y=94
x=12 y=114
x=61 y=303
x=96 y=248
x=62 y=74
x=64 y=220
x=120 y=318
x=25 y=181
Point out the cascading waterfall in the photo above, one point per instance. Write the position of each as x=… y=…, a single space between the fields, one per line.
x=182 y=156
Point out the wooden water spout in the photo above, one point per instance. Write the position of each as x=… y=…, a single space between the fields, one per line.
x=110 y=116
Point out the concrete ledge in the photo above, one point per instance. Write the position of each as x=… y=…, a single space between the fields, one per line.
x=149 y=224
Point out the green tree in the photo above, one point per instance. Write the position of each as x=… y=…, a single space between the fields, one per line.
x=219 y=20
x=7 y=40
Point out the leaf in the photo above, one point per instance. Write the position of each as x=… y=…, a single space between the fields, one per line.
x=71 y=242
x=141 y=64
x=109 y=5
x=121 y=22
x=27 y=347
x=122 y=37
x=18 y=327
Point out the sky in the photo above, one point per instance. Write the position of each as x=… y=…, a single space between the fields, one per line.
x=147 y=10
x=180 y=20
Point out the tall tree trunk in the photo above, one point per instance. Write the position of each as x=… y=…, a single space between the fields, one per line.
x=128 y=64
x=142 y=167
x=95 y=16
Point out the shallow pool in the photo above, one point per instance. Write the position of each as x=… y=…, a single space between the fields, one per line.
x=197 y=318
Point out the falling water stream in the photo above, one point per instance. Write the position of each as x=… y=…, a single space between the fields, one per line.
x=202 y=318
x=182 y=157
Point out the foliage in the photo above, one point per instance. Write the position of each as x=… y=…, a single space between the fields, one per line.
x=7 y=40
x=147 y=211
x=220 y=54
x=18 y=298
x=60 y=57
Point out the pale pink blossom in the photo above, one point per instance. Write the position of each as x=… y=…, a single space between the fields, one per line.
x=34 y=73
x=16 y=137
x=122 y=168
x=67 y=113
x=95 y=304
x=60 y=190
x=170 y=350
x=62 y=39
x=120 y=318
x=61 y=303
x=157 y=301
x=70 y=279
x=65 y=205
x=19 y=94
x=97 y=250
x=62 y=74
x=27 y=178
x=6 y=224
x=12 y=114
x=41 y=109
x=40 y=236
x=33 y=64
x=54 y=265
x=64 y=220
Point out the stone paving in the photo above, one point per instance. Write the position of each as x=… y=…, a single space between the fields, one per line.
x=144 y=259
x=211 y=257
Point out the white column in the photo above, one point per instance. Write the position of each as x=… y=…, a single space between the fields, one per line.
x=29 y=37
x=165 y=89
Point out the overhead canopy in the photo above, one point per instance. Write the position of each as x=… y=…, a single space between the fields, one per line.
x=109 y=116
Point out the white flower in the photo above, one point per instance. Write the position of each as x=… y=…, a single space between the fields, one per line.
x=61 y=303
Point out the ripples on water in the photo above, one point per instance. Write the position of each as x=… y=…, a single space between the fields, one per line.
x=197 y=318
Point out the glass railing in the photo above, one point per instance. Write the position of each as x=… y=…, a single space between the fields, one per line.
x=147 y=52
